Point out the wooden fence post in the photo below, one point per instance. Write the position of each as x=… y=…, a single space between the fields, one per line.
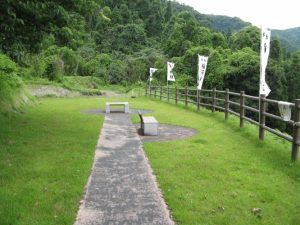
x=168 y=93
x=213 y=106
x=226 y=103
x=160 y=94
x=176 y=101
x=155 y=91
x=186 y=96
x=262 y=117
x=198 y=99
x=296 y=131
x=242 y=108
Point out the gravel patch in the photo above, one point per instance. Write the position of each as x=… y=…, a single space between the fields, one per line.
x=46 y=90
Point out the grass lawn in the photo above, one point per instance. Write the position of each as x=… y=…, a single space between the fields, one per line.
x=45 y=158
x=215 y=177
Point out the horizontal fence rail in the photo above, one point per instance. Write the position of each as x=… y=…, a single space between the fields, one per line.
x=234 y=103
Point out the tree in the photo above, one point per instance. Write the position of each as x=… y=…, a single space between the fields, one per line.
x=293 y=76
x=247 y=37
x=218 y=40
x=184 y=32
x=169 y=11
x=154 y=21
x=244 y=72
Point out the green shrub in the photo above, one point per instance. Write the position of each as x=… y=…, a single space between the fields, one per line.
x=117 y=72
x=7 y=65
x=11 y=85
x=37 y=67
x=70 y=60
x=54 y=70
x=62 y=60
x=97 y=66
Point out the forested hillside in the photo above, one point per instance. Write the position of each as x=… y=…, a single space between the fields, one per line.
x=116 y=41
x=290 y=38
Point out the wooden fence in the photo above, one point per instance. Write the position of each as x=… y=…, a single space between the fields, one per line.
x=234 y=103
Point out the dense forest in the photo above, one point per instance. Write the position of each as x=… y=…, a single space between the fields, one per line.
x=289 y=38
x=116 y=41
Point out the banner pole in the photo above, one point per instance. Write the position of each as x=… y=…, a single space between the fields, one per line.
x=260 y=72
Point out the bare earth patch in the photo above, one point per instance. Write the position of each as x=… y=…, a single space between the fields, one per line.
x=46 y=90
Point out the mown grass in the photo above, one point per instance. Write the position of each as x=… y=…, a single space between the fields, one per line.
x=221 y=174
x=45 y=158
x=215 y=177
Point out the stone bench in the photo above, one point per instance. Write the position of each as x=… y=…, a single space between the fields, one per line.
x=149 y=125
x=109 y=104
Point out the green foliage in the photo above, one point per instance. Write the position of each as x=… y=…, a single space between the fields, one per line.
x=125 y=38
x=53 y=63
x=219 y=40
x=289 y=38
x=293 y=76
x=11 y=86
x=247 y=37
x=117 y=42
x=184 y=32
x=54 y=69
x=227 y=24
x=117 y=72
x=7 y=65
x=169 y=11
x=244 y=67
x=97 y=66
x=37 y=66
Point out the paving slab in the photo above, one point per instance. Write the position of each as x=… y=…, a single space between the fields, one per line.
x=121 y=188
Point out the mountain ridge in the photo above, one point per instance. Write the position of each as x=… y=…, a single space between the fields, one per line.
x=289 y=38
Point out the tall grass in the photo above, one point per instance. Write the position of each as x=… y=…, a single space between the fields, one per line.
x=12 y=92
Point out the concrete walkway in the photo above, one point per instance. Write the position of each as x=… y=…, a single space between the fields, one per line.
x=121 y=188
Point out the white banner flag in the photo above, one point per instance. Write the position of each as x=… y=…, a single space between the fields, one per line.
x=170 y=76
x=264 y=55
x=152 y=71
x=202 y=63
